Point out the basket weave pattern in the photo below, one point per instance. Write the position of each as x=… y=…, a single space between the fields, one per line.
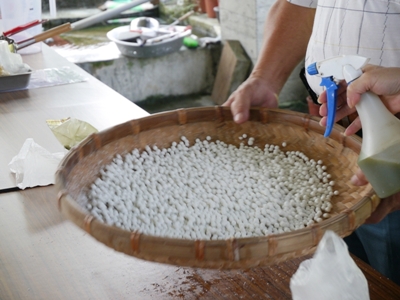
x=301 y=132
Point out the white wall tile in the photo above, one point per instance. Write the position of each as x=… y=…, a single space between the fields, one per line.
x=244 y=21
x=245 y=8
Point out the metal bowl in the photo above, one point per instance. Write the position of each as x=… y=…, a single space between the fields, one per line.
x=145 y=22
x=134 y=49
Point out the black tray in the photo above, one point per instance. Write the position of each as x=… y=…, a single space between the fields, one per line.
x=14 y=82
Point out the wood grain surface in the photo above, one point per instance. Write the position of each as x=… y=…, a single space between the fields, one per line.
x=44 y=256
x=24 y=113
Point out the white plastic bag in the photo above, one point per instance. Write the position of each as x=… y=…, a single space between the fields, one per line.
x=330 y=274
x=34 y=165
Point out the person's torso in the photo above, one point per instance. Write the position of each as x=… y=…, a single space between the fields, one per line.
x=370 y=28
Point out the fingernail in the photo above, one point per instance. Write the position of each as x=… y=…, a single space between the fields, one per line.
x=349 y=103
x=354 y=180
x=238 y=117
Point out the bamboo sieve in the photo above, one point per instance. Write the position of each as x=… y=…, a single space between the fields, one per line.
x=302 y=132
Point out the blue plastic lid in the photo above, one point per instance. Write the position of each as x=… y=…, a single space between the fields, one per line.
x=312 y=69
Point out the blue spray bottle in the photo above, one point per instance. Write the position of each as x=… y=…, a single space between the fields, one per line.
x=379 y=157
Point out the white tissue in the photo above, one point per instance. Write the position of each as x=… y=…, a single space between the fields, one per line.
x=11 y=62
x=34 y=165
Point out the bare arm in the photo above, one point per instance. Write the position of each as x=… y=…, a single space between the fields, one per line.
x=286 y=34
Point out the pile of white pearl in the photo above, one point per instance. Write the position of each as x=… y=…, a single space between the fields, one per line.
x=211 y=190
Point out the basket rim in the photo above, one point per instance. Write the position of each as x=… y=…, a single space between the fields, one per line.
x=234 y=257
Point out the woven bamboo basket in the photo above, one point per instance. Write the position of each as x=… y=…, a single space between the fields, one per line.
x=301 y=132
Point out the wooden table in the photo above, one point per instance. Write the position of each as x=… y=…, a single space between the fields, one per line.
x=44 y=256
x=23 y=114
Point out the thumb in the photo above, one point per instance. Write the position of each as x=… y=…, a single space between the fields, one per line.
x=354 y=92
x=240 y=111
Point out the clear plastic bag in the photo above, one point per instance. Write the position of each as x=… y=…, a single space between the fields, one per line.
x=53 y=77
x=330 y=274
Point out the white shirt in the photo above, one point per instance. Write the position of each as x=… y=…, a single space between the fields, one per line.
x=370 y=28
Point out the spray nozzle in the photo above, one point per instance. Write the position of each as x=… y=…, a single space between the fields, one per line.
x=347 y=67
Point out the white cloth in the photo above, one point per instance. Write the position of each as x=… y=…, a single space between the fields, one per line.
x=369 y=28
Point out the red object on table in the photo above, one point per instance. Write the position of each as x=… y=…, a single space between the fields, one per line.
x=23 y=27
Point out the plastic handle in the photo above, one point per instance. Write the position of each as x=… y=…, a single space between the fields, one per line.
x=188 y=14
x=52 y=32
x=105 y=15
x=331 y=93
x=44 y=35
x=22 y=27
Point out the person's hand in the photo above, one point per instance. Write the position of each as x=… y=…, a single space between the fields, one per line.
x=387 y=205
x=385 y=82
x=287 y=30
x=253 y=92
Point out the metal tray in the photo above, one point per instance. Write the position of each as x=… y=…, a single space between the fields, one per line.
x=14 y=82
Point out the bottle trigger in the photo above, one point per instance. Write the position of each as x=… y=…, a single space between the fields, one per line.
x=331 y=94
